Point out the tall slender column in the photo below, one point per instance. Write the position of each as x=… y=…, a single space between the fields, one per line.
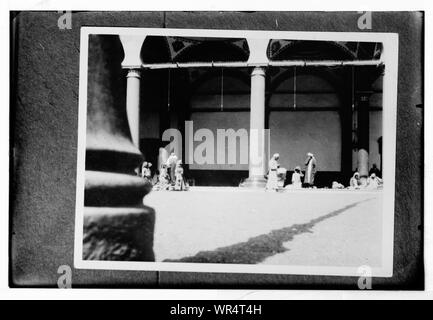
x=133 y=104
x=363 y=136
x=257 y=149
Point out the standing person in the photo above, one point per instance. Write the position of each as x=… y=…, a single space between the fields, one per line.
x=163 y=179
x=171 y=165
x=162 y=157
x=296 y=178
x=310 y=170
x=145 y=171
x=272 y=175
x=180 y=183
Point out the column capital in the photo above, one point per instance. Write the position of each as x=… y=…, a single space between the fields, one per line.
x=364 y=95
x=258 y=51
x=135 y=73
x=132 y=47
x=364 y=98
x=258 y=71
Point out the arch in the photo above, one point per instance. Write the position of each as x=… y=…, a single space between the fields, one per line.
x=318 y=128
x=216 y=73
x=205 y=111
x=325 y=73
x=217 y=50
x=313 y=50
x=155 y=49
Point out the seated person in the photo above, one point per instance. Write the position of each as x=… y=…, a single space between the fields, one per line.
x=354 y=181
x=374 y=182
x=163 y=179
x=374 y=169
x=296 y=178
x=337 y=185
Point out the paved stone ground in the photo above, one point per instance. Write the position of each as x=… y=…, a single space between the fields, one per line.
x=298 y=227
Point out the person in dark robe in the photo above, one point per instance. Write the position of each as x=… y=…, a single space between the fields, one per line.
x=374 y=169
x=310 y=170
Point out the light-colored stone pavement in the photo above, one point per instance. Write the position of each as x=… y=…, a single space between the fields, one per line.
x=299 y=227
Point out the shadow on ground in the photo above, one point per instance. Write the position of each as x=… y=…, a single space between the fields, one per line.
x=257 y=249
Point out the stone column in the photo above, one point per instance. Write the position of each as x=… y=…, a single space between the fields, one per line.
x=363 y=136
x=257 y=148
x=346 y=117
x=133 y=104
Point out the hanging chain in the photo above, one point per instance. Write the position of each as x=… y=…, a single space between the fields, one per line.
x=294 y=87
x=222 y=90
x=353 y=88
x=168 y=89
x=354 y=113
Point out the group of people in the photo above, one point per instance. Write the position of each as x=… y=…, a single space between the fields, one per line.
x=170 y=175
x=373 y=182
x=277 y=175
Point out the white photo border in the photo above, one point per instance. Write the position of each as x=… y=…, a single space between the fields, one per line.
x=390 y=82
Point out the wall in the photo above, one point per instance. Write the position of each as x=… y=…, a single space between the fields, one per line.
x=293 y=134
x=221 y=120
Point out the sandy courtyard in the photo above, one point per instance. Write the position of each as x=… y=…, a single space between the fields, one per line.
x=298 y=227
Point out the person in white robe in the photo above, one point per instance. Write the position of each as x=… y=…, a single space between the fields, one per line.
x=171 y=166
x=296 y=178
x=144 y=169
x=163 y=182
x=272 y=183
x=162 y=157
x=354 y=182
x=146 y=174
x=373 y=182
x=180 y=182
x=337 y=185
x=310 y=170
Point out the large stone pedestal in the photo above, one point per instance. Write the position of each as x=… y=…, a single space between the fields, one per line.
x=117 y=226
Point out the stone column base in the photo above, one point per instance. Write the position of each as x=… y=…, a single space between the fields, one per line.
x=124 y=234
x=254 y=182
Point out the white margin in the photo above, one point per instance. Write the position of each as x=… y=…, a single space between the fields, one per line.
x=390 y=43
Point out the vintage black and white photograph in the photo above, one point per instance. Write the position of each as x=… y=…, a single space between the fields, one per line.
x=236 y=151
